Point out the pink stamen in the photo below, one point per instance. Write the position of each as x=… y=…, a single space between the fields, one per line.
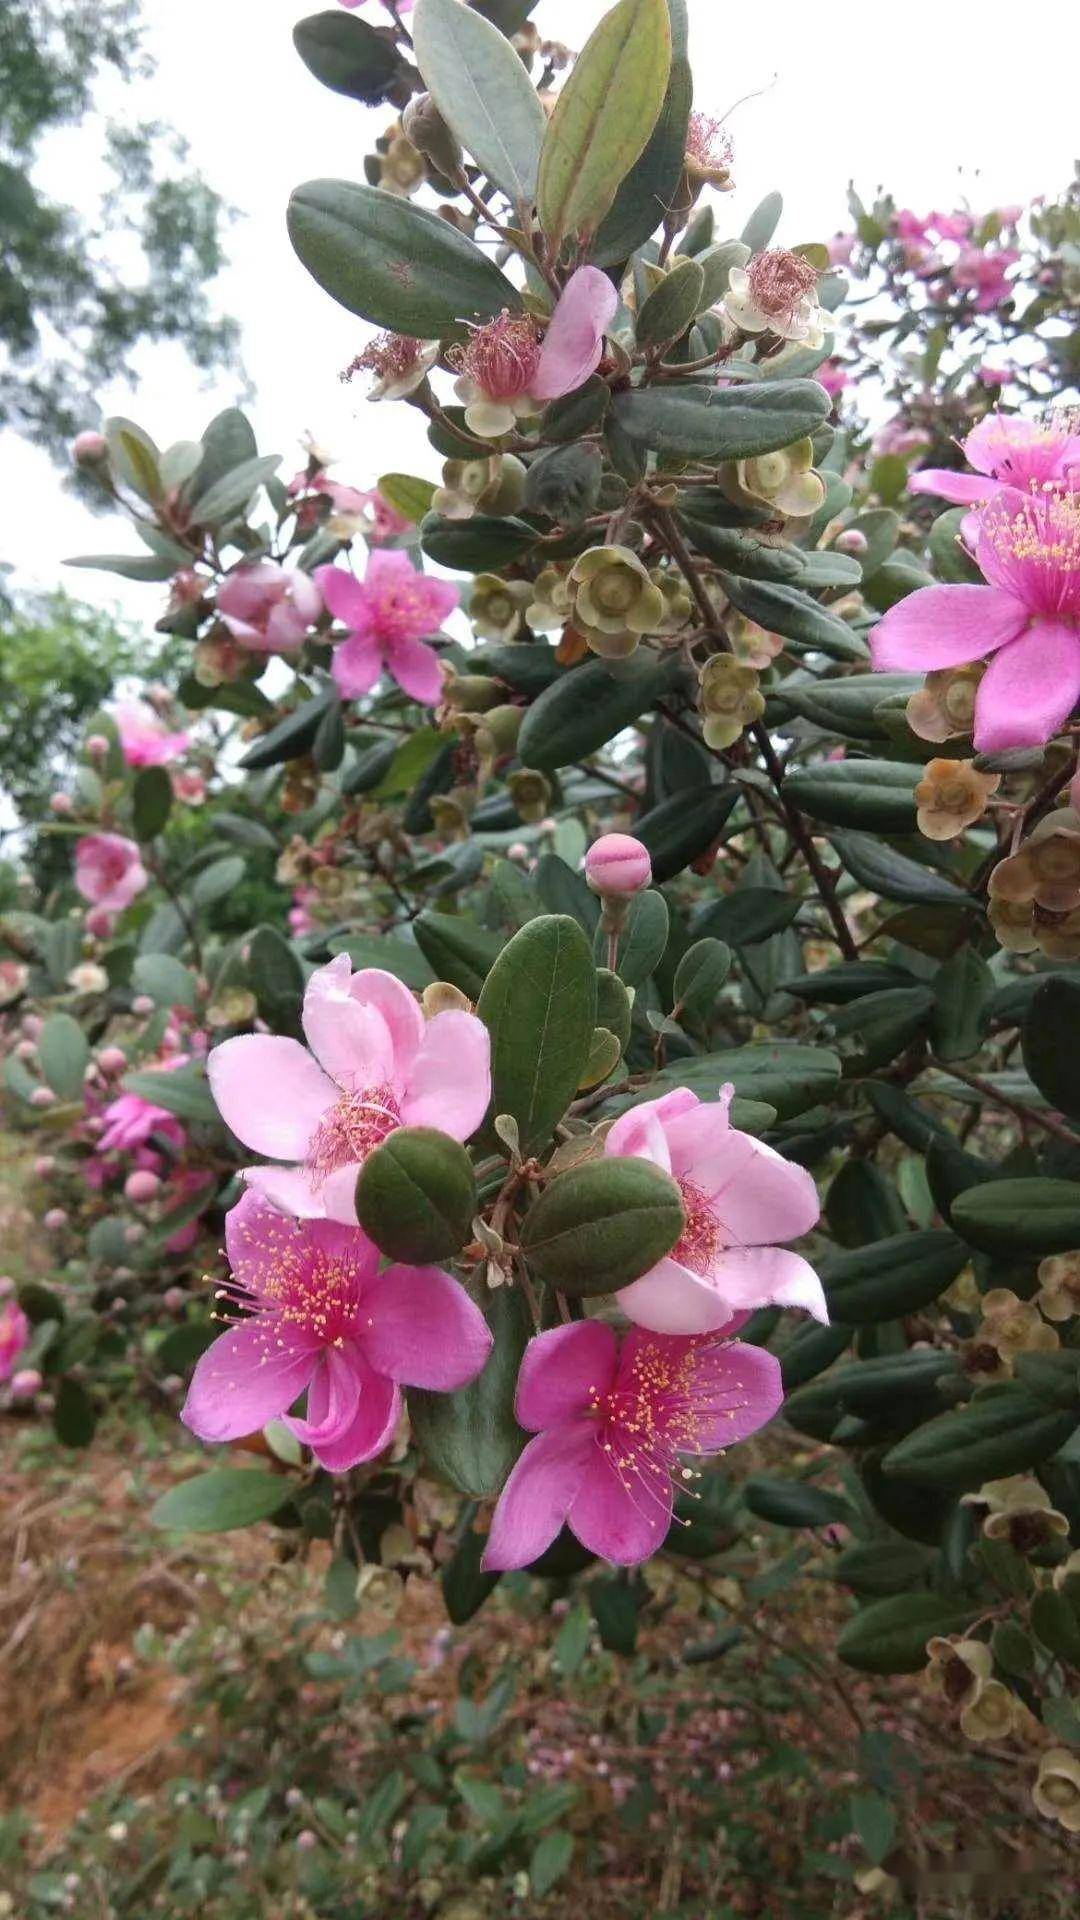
x=778 y=280
x=351 y=1130
x=500 y=358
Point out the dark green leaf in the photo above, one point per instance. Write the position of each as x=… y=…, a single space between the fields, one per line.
x=539 y=1005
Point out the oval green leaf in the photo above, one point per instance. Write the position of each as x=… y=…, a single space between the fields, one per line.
x=603 y=117
x=539 y=1005
x=483 y=92
x=603 y=1224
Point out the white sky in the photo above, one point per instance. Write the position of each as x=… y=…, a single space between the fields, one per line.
x=938 y=101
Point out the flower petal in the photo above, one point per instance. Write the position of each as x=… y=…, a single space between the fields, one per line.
x=736 y=1390
x=350 y=1040
x=416 y=669
x=356 y=665
x=945 y=627
x=422 y=1329
x=247 y=1378
x=671 y=1298
x=758 y=1196
x=622 y=1513
x=374 y=987
x=352 y=1411
x=640 y=1135
x=961 y=488
x=536 y=1499
x=1029 y=690
x=345 y=597
x=574 y=341
x=289 y=1189
x=561 y=1370
x=449 y=1085
x=269 y=1092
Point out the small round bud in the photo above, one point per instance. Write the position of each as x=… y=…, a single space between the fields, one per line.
x=141 y=1185
x=97 y=746
x=618 y=864
x=25 y=1050
x=26 y=1383
x=852 y=540
x=306 y=1840
x=89 y=448
x=55 y=1220
x=174 y=1299
x=44 y=1165
x=99 y=923
x=62 y=805
x=142 y=1004
x=42 y=1097
x=32 y=1024
x=112 y=1060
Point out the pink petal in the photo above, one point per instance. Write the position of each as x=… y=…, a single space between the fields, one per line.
x=416 y=669
x=449 y=1085
x=356 y=665
x=423 y=1330
x=249 y=591
x=759 y=1196
x=352 y=1411
x=622 y=1514
x=671 y=1298
x=344 y=596
x=562 y=1371
x=640 y=1135
x=1030 y=689
x=247 y=1378
x=269 y=1092
x=351 y=1041
x=289 y=1189
x=399 y=1008
x=305 y=595
x=737 y=1389
x=536 y=1499
x=961 y=488
x=945 y=627
x=574 y=342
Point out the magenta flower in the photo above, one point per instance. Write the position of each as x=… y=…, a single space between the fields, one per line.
x=267 y=608
x=130 y=1121
x=109 y=871
x=610 y=1426
x=388 y=613
x=144 y=740
x=1006 y=451
x=1027 y=617
x=985 y=275
x=740 y=1198
x=321 y=1318
x=508 y=369
x=375 y=1064
x=14 y=1336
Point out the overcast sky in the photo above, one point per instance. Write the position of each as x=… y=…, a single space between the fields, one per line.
x=939 y=102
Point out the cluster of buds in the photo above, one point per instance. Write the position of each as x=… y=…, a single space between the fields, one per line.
x=951 y=796
x=731 y=699
x=615 y=600
x=786 y=482
x=1035 y=892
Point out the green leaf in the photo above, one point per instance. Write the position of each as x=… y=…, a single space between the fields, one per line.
x=718 y=423
x=1056 y=1620
x=1053 y=1012
x=667 y=311
x=883 y=1023
x=874 y=1820
x=602 y=1224
x=465 y=1585
x=484 y=94
x=456 y=950
x=685 y=826
x=883 y=870
x=794 y=1503
x=479 y=545
x=292 y=737
x=416 y=1196
x=741 y=551
x=63 y=1055
x=550 y=1861
x=151 y=802
x=642 y=942
x=875 y=1568
x=862 y=1204
x=471 y=1437
x=603 y=118
x=226 y=497
x=394 y=264
x=651 y=185
x=539 y=1005
x=214 y=882
x=848 y=707
x=585 y=708
x=400 y=957
x=166 y=979
x=74 y=1415
x=810 y=1350
x=876 y=795
x=227 y=442
x=699 y=976
x=783 y=1073
x=277 y=979
x=962 y=988
x=129 y=566
x=407 y=495
x=1007 y=1431
x=221 y=1500
x=562 y=890
x=748 y=916
x=891 y=1277
x=763 y=222
x=184 y=1092
x=615 y=1606
x=782 y=609
x=1026 y=1216
x=890 y=1636
x=347 y=55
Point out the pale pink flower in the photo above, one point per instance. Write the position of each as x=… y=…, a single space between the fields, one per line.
x=840 y=249
x=109 y=871
x=950 y=226
x=1027 y=617
x=776 y=292
x=14 y=1336
x=1007 y=451
x=388 y=614
x=509 y=369
x=910 y=226
x=321 y=1318
x=268 y=608
x=740 y=1199
x=130 y=1121
x=144 y=740
x=985 y=274
x=375 y=1064
x=611 y=1423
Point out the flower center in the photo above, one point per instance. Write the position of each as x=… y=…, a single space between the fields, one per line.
x=778 y=280
x=351 y=1130
x=390 y=356
x=501 y=358
x=703 y=1236
x=1044 y=533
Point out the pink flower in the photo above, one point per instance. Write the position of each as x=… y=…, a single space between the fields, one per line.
x=267 y=608
x=984 y=274
x=1007 y=451
x=950 y=226
x=186 y=1185
x=144 y=741
x=388 y=613
x=740 y=1198
x=840 y=249
x=610 y=1426
x=382 y=521
x=130 y=1121
x=1027 y=617
x=321 y=1317
x=14 y=1336
x=832 y=376
x=506 y=368
x=377 y=1065
x=189 y=786
x=109 y=871
x=908 y=225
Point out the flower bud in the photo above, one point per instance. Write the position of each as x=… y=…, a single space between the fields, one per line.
x=44 y=1165
x=97 y=746
x=141 y=1185
x=99 y=923
x=112 y=1060
x=55 y=1220
x=142 y=1004
x=62 y=805
x=530 y=792
x=852 y=540
x=618 y=865
x=174 y=1299
x=89 y=448
x=471 y=692
x=423 y=124
x=25 y=1383
x=42 y=1097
